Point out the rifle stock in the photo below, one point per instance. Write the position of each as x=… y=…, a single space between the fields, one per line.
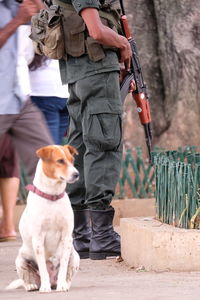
x=140 y=94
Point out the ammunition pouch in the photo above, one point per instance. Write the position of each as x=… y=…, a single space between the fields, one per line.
x=74 y=31
x=47 y=33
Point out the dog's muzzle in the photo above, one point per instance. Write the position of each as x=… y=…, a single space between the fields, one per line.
x=75 y=176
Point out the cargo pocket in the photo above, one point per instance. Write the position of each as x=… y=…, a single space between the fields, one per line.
x=104 y=128
x=74 y=27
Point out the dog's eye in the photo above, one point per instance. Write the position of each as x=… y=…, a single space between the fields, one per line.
x=61 y=161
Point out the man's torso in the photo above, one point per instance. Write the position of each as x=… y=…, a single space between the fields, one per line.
x=9 y=90
x=76 y=68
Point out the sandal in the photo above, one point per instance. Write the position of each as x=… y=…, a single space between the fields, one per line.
x=8 y=238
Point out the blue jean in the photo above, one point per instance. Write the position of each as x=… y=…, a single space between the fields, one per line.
x=56 y=115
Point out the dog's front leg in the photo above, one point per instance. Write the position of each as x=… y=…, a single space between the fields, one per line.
x=65 y=246
x=38 y=247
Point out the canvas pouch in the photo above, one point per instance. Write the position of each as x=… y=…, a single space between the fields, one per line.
x=47 y=33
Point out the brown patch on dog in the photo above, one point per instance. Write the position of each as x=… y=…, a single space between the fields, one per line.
x=56 y=158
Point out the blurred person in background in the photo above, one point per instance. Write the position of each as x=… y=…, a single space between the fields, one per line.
x=18 y=116
x=39 y=76
x=9 y=186
x=48 y=93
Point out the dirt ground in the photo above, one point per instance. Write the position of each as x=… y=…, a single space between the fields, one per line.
x=105 y=280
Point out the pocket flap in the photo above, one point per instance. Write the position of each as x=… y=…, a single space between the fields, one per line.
x=80 y=28
x=105 y=107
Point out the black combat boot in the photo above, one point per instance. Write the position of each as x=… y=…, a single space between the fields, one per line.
x=82 y=232
x=105 y=241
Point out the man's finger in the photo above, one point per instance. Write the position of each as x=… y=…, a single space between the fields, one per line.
x=127 y=64
x=132 y=87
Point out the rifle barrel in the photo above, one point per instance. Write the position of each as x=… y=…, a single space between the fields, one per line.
x=122 y=7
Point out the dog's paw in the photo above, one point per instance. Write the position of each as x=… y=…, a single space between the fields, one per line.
x=63 y=286
x=45 y=288
x=31 y=287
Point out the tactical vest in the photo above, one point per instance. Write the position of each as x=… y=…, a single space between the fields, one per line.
x=59 y=31
x=76 y=37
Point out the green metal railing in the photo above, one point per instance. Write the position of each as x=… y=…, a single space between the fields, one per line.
x=137 y=176
x=24 y=180
x=177 y=175
x=136 y=179
x=174 y=180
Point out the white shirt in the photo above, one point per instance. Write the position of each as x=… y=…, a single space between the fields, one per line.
x=25 y=56
x=44 y=81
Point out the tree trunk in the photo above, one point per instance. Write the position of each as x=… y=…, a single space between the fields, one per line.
x=167 y=34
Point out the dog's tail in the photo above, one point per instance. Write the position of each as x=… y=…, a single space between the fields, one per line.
x=15 y=284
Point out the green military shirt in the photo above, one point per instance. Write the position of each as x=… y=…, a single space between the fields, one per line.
x=77 y=68
x=81 y=4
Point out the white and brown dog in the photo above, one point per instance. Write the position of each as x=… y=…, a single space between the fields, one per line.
x=47 y=259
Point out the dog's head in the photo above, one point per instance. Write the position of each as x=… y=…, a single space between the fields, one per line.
x=58 y=162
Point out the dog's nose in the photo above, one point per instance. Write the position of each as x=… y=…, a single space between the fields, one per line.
x=76 y=175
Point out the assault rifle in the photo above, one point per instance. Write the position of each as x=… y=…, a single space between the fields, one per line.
x=140 y=94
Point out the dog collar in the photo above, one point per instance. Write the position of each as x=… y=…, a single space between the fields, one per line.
x=34 y=189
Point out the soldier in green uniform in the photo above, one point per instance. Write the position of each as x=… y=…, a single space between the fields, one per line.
x=91 y=70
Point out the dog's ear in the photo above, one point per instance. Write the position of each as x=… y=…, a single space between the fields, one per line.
x=45 y=153
x=71 y=149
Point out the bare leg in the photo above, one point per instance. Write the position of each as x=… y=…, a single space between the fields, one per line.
x=8 y=192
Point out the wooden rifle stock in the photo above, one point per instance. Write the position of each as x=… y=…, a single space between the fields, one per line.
x=124 y=22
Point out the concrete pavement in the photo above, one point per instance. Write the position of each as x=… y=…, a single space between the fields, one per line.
x=104 y=280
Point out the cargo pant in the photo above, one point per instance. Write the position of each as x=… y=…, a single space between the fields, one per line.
x=96 y=132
